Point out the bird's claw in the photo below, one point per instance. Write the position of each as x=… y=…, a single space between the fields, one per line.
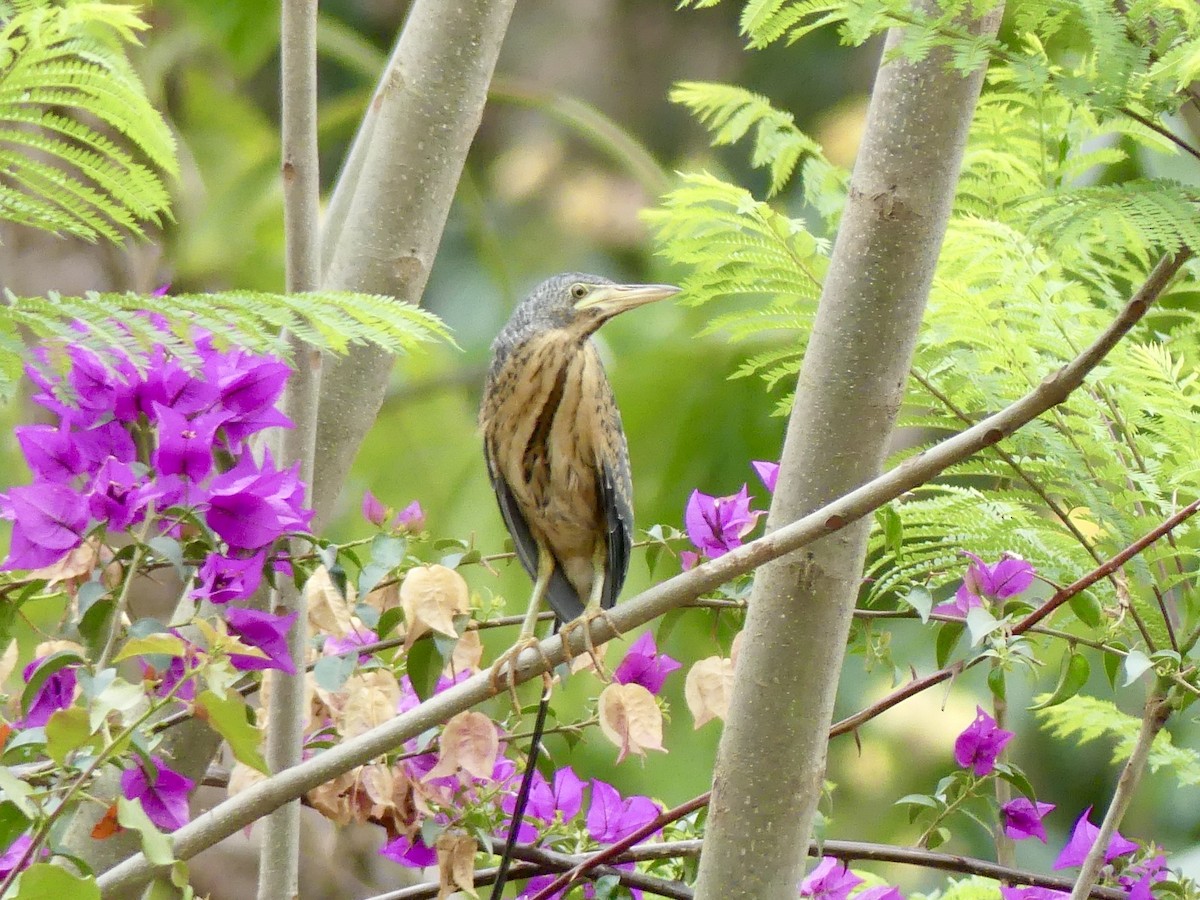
x=585 y=622
x=504 y=669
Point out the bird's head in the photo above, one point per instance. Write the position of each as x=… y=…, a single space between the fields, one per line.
x=583 y=303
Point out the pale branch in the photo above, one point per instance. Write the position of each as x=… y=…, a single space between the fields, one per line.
x=279 y=854
x=245 y=808
x=390 y=205
x=1154 y=718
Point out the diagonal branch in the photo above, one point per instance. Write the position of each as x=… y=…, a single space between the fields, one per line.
x=239 y=811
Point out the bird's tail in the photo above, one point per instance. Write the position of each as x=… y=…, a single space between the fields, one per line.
x=535 y=745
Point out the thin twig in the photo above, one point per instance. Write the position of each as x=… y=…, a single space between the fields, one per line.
x=1154 y=717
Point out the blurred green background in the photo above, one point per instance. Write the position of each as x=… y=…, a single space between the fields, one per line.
x=540 y=196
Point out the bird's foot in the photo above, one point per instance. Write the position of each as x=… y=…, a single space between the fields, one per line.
x=585 y=622
x=504 y=669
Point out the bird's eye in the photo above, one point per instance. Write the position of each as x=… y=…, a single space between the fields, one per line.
x=579 y=291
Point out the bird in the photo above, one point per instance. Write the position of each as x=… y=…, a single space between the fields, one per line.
x=556 y=452
x=559 y=465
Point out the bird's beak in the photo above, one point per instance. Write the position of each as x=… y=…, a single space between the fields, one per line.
x=611 y=299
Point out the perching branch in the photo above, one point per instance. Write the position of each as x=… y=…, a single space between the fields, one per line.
x=244 y=808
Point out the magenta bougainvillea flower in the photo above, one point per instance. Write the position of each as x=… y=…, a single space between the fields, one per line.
x=411 y=518
x=1007 y=578
x=829 y=880
x=1083 y=836
x=222 y=578
x=1022 y=818
x=611 y=817
x=57 y=692
x=49 y=520
x=644 y=665
x=1140 y=878
x=253 y=505
x=373 y=510
x=162 y=792
x=411 y=852
x=768 y=473
x=12 y=857
x=267 y=632
x=980 y=744
x=1031 y=893
x=715 y=525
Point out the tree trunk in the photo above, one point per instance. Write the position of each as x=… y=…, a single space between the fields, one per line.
x=771 y=760
x=386 y=217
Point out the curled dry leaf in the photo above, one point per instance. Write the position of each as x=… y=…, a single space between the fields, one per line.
x=8 y=662
x=631 y=719
x=336 y=800
x=456 y=864
x=384 y=598
x=46 y=648
x=431 y=597
x=328 y=610
x=74 y=568
x=468 y=653
x=371 y=699
x=735 y=648
x=708 y=688
x=470 y=744
x=242 y=776
x=583 y=662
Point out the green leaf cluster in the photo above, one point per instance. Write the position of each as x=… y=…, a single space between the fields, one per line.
x=1053 y=229
x=82 y=150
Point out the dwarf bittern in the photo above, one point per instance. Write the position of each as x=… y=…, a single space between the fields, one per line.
x=555 y=449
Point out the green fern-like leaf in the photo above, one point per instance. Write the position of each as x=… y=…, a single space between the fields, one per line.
x=1082 y=719
x=730 y=112
x=62 y=69
x=333 y=321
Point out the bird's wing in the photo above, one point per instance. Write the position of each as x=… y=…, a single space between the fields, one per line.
x=616 y=498
x=559 y=594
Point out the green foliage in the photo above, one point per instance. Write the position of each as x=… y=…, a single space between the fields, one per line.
x=331 y=320
x=1040 y=253
x=730 y=112
x=1083 y=719
x=80 y=145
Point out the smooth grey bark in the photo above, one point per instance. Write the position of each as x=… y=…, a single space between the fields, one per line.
x=385 y=223
x=771 y=759
x=279 y=857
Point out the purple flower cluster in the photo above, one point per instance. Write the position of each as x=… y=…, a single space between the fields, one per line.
x=716 y=525
x=644 y=665
x=139 y=434
x=162 y=792
x=149 y=437
x=977 y=748
x=610 y=817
